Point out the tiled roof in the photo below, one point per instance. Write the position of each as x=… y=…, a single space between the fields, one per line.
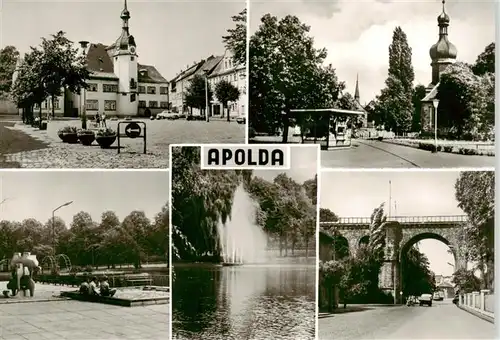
x=220 y=71
x=151 y=75
x=199 y=68
x=99 y=61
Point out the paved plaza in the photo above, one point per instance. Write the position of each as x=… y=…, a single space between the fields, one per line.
x=48 y=317
x=375 y=154
x=51 y=152
x=443 y=320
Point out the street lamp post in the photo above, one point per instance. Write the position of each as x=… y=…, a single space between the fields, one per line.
x=84 y=45
x=435 y=102
x=54 y=226
x=206 y=96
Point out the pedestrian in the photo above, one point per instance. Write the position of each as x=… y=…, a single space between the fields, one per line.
x=103 y=119
x=98 y=119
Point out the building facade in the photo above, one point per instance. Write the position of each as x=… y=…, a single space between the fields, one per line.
x=443 y=53
x=118 y=84
x=180 y=84
x=235 y=74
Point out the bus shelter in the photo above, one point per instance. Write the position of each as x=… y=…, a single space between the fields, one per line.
x=331 y=128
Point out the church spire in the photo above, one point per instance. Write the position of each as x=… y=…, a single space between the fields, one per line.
x=356 y=92
x=125 y=15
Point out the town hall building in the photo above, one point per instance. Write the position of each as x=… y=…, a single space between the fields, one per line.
x=118 y=84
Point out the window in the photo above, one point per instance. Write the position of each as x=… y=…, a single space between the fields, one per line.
x=133 y=84
x=153 y=103
x=92 y=87
x=92 y=104
x=44 y=105
x=142 y=103
x=110 y=105
x=164 y=105
x=151 y=90
x=142 y=89
x=234 y=77
x=163 y=90
x=56 y=104
x=109 y=88
x=132 y=58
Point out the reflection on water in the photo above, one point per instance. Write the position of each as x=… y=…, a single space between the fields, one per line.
x=247 y=302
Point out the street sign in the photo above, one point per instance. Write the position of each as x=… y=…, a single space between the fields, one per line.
x=133 y=130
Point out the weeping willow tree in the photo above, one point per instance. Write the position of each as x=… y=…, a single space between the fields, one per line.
x=201 y=199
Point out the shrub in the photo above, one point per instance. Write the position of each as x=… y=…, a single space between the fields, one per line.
x=448 y=148
x=68 y=129
x=107 y=132
x=82 y=132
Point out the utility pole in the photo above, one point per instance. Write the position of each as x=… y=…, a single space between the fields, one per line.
x=390 y=198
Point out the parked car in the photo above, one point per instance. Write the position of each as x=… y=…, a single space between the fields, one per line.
x=167 y=115
x=241 y=120
x=437 y=297
x=425 y=299
x=456 y=299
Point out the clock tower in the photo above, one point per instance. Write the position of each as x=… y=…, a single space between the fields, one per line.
x=125 y=68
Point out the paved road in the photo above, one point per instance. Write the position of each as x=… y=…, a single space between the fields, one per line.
x=441 y=321
x=375 y=154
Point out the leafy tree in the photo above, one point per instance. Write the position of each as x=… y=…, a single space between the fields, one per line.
x=326 y=215
x=311 y=187
x=286 y=72
x=418 y=94
x=475 y=192
x=394 y=108
x=466 y=281
x=62 y=68
x=197 y=91
x=226 y=92
x=236 y=40
x=485 y=62
x=8 y=60
x=416 y=276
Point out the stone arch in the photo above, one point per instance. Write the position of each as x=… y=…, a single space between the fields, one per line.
x=340 y=246
x=364 y=240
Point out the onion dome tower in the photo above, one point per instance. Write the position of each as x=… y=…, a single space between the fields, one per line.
x=442 y=53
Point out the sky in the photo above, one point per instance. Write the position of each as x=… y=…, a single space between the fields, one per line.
x=422 y=193
x=169 y=34
x=303 y=165
x=357 y=33
x=35 y=194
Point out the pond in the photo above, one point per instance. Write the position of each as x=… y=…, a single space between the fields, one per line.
x=244 y=302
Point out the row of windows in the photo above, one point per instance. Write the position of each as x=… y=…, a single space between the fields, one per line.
x=153 y=104
x=93 y=87
x=152 y=89
x=93 y=105
x=46 y=104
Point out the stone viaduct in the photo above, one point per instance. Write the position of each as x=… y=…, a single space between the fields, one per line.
x=401 y=233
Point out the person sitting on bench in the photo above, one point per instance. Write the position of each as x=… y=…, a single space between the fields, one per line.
x=84 y=286
x=106 y=289
x=94 y=288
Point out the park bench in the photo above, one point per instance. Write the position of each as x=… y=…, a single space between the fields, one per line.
x=138 y=280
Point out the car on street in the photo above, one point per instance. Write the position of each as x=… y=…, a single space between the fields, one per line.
x=437 y=297
x=167 y=115
x=425 y=299
x=241 y=120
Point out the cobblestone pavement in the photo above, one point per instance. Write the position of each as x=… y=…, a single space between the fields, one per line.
x=160 y=134
x=75 y=320
x=441 y=321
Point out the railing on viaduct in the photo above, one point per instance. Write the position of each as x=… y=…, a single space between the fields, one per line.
x=403 y=220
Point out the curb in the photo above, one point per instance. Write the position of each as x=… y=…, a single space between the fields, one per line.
x=478 y=314
x=416 y=147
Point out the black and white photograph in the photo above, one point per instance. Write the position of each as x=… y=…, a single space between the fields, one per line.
x=84 y=255
x=86 y=84
x=378 y=84
x=407 y=255
x=244 y=249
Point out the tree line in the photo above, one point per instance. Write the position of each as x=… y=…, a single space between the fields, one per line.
x=287 y=72
x=201 y=199
x=109 y=242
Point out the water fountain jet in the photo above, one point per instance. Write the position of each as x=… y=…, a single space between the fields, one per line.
x=241 y=239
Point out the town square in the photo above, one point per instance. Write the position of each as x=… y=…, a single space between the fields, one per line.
x=74 y=97
x=406 y=87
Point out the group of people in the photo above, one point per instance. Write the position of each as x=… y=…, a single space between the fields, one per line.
x=100 y=120
x=97 y=287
